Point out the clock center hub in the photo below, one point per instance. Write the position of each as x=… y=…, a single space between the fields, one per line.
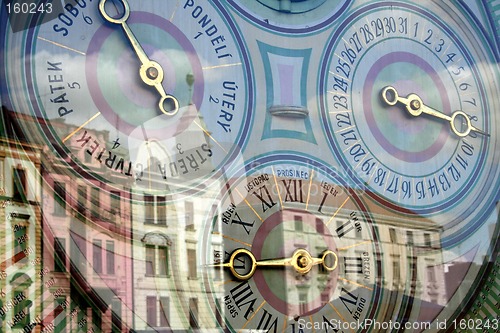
x=302 y=261
x=152 y=73
x=310 y=249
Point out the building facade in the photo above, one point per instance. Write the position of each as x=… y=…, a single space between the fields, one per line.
x=21 y=255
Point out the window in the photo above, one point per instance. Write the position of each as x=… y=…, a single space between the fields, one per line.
x=151 y=310
x=409 y=237
x=193 y=312
x=59 y=199
x=162 y=261
x=155 y=210
x=78 y=252
x=155 y=307
x=149 y=209
x=298 y=223
x=97 y=256
x=431 y=272
x=19 y=185
x=413 y=270
x=82 y=199
x=95 y=202
x=320 y=227
x=392 y=236
x=164 y=311
x=189 y=215
x=115 y=202
x=150 y=260
x=103 y=258
x=157 y=260
x=192 y=269
x=161 y=210
x=396 y=273
x=110 y=257
x=428 y=239
x=59 y=255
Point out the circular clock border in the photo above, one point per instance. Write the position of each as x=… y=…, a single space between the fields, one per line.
x=387 y=202
x=54 y=141
x=300 y=160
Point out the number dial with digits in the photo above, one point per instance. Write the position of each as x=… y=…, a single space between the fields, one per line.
x=411 y=163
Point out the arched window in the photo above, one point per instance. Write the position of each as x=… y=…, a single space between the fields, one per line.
x=157 y=248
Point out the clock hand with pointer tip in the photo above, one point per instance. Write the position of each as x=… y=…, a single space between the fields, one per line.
x=414 y=105
x=301 y=261
x=151 y=71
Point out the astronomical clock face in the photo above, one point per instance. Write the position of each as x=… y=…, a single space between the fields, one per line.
x=249 y=166
x=132 y=90
x=409 y=105
x=291 y=245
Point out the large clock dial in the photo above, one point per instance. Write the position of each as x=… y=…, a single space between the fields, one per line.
x=156 y=95
x=409 y=105
x=290 y=245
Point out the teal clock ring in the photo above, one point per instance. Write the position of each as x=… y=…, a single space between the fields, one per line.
x=409 y=106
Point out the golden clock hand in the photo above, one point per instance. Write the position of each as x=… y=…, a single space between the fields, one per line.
x=151 y=71
x=414 y=105
x=301 y=261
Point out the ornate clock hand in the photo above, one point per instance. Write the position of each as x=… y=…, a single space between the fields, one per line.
x=151 y=72
x=301 y=261
x=414 y=105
